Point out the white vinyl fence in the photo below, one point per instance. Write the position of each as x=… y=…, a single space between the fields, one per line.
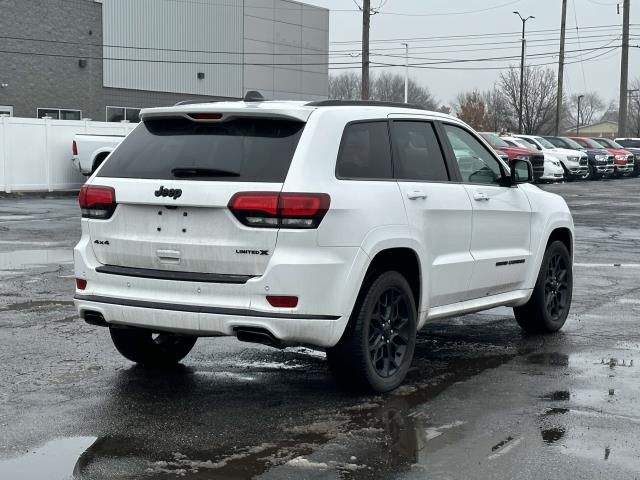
x=35 y=154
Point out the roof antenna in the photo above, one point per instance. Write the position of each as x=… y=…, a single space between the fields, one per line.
x=253 y=96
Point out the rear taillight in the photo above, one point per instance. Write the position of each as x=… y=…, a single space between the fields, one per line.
x=81 y=283
x=74 y=148
x=97 y=202
x=280 y=210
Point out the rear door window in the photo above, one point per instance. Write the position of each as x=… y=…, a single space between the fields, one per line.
x=242 y=150
x=417 y=152
x=365 y=151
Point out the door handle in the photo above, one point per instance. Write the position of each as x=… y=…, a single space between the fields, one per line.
x=480 y=197
x=416 y=194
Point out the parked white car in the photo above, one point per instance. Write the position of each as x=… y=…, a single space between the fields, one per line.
x=292 y=223
x=575 y=162
x=553 y=171
x=89 y=151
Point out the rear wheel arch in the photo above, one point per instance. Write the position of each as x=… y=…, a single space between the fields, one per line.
x=98 y=159
x=403 y=260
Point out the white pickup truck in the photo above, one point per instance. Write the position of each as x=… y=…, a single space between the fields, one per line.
x=89 y=151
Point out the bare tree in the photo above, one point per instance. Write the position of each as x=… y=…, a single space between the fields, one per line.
x=345 y=86
x=470 y=108
x=386 y=87
x=591 y=106
x=611 y=113
x=539 y=97
x=634 y=109
x=498 y=114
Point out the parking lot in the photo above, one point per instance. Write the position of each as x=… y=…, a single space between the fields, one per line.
x=483 y=400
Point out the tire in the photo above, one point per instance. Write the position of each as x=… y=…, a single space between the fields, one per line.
x=593 y=173
x=549 y=305
x=141 y=346
x=568 y=176
x=376 y=350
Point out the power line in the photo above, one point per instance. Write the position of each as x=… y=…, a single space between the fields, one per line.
x=279 y=65
x=332 y=53
x=478 y=35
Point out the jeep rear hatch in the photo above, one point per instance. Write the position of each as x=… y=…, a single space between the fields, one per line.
x=173 y=179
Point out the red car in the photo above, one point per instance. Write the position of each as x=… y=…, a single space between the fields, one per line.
x=623 y=159
x=534 y=156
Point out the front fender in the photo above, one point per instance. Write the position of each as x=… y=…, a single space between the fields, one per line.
x=549 y=212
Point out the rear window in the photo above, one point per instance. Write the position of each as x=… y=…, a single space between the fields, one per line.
x=242 y=150
x=365 y=151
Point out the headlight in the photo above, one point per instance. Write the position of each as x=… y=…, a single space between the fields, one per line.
x=572 y=159
x=522 y=157
x=601 y=158
x=621 y=157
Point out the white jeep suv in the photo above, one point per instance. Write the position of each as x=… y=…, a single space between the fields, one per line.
x=341 y=225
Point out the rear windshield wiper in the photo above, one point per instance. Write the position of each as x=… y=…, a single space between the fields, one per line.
x=186 y=172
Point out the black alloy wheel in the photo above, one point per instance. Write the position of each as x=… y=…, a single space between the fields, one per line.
x=389 y=332
x=556 y=287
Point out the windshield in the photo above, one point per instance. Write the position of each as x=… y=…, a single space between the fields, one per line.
x=608 y=143
x=241 y=150
x=544 y=143
x=571 y=143
x=494 y=140
x=602 y=142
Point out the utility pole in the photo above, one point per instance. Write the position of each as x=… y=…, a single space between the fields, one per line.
x=366 y=23
x=624 y=70
x=563 y=26
x=406 y=72
x=524 y=21
x=578 y=120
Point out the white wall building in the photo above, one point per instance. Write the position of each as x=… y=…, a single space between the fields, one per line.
x=219 y=48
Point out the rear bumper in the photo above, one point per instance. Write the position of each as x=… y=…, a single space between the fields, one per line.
x=326 y=281
x=318 y=330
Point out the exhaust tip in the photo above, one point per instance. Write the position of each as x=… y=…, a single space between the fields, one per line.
x=94 y=318
x=257 y=335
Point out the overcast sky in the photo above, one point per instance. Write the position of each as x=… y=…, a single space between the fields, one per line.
x=445 y=18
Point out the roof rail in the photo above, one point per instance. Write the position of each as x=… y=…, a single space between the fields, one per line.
x=362 y=103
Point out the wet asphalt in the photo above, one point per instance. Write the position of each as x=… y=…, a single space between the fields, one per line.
x=482 y=401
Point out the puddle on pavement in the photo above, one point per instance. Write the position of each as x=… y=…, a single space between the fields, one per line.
x=557 y=396
x=57 y=458
x=548 y=359
x=552 y=435
x=21 y=259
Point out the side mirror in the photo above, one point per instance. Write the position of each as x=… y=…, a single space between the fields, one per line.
x=521 y=171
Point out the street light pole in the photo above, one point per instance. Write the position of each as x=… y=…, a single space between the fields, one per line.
x=406 y=72
x=524 y=21
x=578 y=120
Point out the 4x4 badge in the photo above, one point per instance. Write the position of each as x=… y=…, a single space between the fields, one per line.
x=168 y=192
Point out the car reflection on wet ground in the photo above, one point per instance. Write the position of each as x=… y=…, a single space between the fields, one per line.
x=482 y=400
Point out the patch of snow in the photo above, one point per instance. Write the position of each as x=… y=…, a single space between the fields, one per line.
x=301 y=462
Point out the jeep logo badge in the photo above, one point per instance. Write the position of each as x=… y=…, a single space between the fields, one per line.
x=168 y=192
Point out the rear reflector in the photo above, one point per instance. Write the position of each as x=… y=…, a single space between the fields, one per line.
x=97 y=202
x=280 y=210
x=282 y=301
x=74 y=148
x=81 y=283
